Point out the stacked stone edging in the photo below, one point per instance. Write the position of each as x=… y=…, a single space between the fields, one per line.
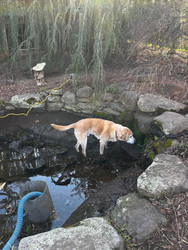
x=117 y=101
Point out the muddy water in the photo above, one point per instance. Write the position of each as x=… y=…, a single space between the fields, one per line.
x=32 y=150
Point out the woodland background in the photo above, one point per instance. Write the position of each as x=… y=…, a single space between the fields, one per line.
x=148 y=36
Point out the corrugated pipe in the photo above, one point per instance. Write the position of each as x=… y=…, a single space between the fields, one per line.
x=20 y=218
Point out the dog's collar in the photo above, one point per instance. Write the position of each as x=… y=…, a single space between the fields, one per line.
x=116 y=134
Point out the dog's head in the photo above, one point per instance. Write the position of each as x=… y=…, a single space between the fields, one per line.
x=125 y=134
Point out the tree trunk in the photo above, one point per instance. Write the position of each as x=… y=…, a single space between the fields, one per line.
x=5 y=41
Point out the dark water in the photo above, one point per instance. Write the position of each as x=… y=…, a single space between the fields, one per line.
x=32 y=150
x=70 y=177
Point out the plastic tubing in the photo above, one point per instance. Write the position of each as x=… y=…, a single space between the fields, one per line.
x=20 y=219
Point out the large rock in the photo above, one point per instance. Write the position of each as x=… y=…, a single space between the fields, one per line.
x=166 y=175
x=85 y=92
x=26 y=101
x=144 y=122
x=129 y=99
x=54 y=98
x=111 y=111
x=137 y=216
x=87 y=108
x=57 y=92
x=117 y=107
x=54 y=106
x=68 y=98
x=152 y=103
x=108 y=97
x=90 y=234
x=171 y=123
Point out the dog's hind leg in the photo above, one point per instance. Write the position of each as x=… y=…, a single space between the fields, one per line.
x=77 y=146
x=78 y=143
x=81 y=140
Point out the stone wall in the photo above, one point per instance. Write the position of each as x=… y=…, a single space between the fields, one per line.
x=117 y=101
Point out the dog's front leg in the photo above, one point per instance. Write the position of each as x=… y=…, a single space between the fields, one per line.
x=103 y=143
x=106 y=145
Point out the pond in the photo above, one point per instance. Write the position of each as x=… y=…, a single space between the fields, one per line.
x=32 y=150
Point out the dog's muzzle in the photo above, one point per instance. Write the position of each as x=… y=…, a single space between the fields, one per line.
x=131 y=140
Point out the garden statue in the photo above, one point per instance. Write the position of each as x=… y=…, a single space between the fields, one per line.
x=39 y=73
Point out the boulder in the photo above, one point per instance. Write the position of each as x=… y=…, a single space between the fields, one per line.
x=9 y=107
x=117 y=107
x=85 y=92
x=111 y=111
x=166 y=175
x=87 y=108
x=85 y=100
x=108 y=97
x=171 y=123
x=153 y=103
x=26 y=101
x=54 y=98
x=68 y=98
x=71 y=108
x=57 y=92
x=137 y=216
x=129 y=100
x=93 y=233
x=144 y=122
x=54 y=106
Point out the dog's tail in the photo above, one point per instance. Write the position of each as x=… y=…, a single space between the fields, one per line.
x=62 y=128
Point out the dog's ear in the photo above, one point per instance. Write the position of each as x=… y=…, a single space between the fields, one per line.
x=126 y=134
x=123 y=133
